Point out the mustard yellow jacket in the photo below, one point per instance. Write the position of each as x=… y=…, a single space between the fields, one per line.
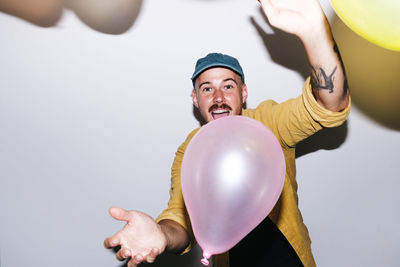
x=291 y=122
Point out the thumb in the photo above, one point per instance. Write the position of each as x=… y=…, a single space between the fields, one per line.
x=120 y=214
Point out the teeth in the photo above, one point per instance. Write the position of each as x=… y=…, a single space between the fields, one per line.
x=219 y=111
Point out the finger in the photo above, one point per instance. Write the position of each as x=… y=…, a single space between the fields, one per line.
x=112 y=241
x=131 y=264
x=279 y=4
x=123 y=254
x=138 y=259
x=152 y=255
x=277 y=17
x=120 y=214
x=268 y=8
x=265 y=3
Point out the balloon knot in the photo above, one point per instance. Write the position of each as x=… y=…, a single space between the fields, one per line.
x=204 y=261
x=206 y=256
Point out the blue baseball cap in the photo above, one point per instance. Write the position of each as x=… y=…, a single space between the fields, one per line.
x=217 y=60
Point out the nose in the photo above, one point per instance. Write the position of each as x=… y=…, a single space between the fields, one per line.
x=219 y=96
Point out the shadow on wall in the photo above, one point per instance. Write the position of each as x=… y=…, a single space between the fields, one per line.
x=111 y=17
x=327 y=139
x=285 y=49
x=373 y=75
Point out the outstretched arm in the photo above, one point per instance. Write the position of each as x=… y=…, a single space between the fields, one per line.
x=142 y=239
x=306 y=20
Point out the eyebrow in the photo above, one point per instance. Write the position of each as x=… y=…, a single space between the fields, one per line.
x=230 y=79
x=227 y=79
x=200 y=85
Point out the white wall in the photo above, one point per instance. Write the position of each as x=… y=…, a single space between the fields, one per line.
x=91 y=115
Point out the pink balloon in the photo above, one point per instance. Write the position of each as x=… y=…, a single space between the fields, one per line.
x=232 y=174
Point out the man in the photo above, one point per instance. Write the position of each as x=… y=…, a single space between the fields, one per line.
x=220 y=90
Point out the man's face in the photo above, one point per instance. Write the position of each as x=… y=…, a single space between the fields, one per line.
x=219 y=92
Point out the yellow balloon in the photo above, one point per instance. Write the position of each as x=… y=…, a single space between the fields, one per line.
x=378 y=21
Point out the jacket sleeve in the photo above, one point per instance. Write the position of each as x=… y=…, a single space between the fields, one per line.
x=298 y=118
x=176 y=209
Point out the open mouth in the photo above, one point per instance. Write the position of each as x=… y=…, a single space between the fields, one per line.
x=219 y=113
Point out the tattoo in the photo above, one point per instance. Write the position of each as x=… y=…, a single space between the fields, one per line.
x=319 y=79
x=345 y=85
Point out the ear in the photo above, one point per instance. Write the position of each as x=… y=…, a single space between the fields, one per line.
x=194 y=98
x=244 y=93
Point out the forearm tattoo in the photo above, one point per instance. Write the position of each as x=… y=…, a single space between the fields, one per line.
x=320 y=80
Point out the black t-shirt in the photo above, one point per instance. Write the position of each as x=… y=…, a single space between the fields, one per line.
x=265 y=246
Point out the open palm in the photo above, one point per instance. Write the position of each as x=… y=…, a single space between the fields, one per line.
x=141 y=239
x=301 y=18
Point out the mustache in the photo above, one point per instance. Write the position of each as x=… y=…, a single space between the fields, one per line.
x=222 y=106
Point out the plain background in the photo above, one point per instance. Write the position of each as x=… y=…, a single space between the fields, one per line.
x=95 y=101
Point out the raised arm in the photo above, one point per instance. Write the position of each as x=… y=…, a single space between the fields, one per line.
x=142 y=239
x=306 y=20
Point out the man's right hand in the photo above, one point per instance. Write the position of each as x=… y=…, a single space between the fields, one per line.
x=141 y=239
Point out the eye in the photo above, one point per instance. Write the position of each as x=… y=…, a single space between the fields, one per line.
x=206 y=89
x=229 y=86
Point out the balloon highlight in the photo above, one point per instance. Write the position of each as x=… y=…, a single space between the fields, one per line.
x=232 y=175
